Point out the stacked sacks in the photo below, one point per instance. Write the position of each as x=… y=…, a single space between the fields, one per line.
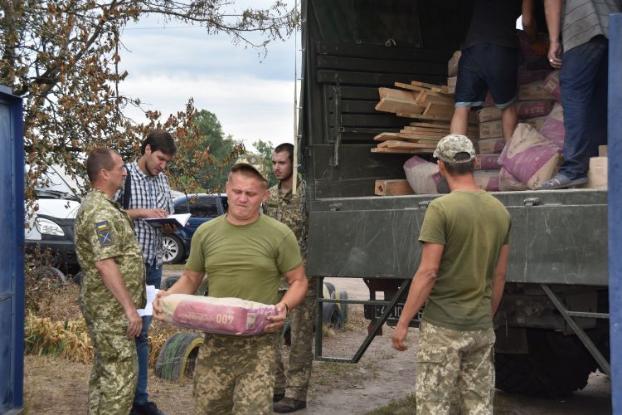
x=528 y=160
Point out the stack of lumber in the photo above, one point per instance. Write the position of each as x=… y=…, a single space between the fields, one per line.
x=431 y=105
x=417 y=100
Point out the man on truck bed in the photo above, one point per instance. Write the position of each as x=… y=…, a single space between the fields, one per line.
x=489 y=62
x=461 y=275
x=583 y=80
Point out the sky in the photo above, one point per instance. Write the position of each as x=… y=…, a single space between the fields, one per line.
x=252 y=94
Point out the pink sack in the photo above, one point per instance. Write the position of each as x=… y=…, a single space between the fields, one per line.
x=551 y=84
x=422 y=175
x=530 y=157
x=491 y=145
x=553 y=127
x=487 y=162
x=487 y=179
x=232 y=316
x=507 y=182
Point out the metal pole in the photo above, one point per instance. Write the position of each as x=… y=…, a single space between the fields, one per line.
x=295 y=155
x=615 y=208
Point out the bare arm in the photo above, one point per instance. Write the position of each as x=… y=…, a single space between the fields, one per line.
x=146 y=213
x=422 y=285
x=498 y=282
x=111 y=276
x=553 y=13
x=296 y=292
x=529 y=23
x=188 y=283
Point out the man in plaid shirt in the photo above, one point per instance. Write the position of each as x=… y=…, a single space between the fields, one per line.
x=147 y=194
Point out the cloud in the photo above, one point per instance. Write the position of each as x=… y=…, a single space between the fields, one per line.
x=249 y=108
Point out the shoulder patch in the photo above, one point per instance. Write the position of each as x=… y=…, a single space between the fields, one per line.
x=104 y=236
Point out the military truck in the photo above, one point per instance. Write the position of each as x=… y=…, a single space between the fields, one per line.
x=552 y=326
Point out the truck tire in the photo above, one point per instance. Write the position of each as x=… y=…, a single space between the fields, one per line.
x=178 y=355
x=555 y=366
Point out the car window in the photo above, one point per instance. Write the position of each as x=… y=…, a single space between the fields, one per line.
x=203 y=207
x=181 y=206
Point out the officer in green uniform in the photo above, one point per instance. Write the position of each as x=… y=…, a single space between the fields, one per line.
x=290 y=390
x=113 y=286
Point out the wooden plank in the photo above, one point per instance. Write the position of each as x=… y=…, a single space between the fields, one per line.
x=439 y=96
x=393 y=187
x=396 y=94
x=436 y=88
x=426 y=129
x=430 y=124
x=423 y=117
x=405 y=144
x=398 y=106
x=438 y=110
x=402 y=151
x=387 y=136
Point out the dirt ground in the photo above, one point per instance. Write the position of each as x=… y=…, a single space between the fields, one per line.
x=57 y=386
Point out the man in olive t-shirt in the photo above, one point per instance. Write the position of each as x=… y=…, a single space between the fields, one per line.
x=244 y=255
x=460 y=279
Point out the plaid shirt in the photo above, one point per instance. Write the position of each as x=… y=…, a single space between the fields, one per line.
x=148 y=192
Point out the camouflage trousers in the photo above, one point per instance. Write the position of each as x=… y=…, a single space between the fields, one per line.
x=115 y=367
x=454 y=365
x=235 y=375
x=295 y=382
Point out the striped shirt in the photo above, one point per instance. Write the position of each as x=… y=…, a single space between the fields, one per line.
x=148 y=192
x=585 y=19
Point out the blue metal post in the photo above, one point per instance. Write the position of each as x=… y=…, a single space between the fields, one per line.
x=615 y=208
x=11 y=253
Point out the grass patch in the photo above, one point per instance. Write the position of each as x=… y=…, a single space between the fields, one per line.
x=406 y=406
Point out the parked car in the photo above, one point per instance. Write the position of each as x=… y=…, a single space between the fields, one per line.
x=49 y=228
x=202 y=208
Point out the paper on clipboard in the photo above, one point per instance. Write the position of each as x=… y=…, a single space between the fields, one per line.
x=152 y=291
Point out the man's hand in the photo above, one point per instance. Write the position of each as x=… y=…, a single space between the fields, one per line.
x=555 y=54
x=278 y=321
x=135 y=323
x=399 y=337
x=154 y=213
x=157 y=306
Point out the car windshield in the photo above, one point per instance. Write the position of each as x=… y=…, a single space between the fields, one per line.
x=56 y=184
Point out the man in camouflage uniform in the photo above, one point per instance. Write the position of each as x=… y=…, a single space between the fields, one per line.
x=460 y=278
x=113 y=286
x=290 y=391
x=244 y=254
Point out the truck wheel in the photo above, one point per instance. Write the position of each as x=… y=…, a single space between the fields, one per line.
x=173 y=249
x=555 y=366
x=178 y=356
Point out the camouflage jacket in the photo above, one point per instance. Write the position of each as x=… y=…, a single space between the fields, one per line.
x=103 y=230
x=291 y=210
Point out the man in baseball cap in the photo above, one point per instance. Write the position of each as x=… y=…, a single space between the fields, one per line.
x=460 y=278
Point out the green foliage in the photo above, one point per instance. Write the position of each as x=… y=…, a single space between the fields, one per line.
x=63 y=57
x=213 y=152
x=264 y=150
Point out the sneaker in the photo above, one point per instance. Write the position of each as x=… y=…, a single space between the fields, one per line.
x=562 y=182
x=278 y=396
x=287 y=405
x=147 y=408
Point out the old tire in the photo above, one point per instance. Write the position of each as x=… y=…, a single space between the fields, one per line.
x=178 y=356
x=555 y=366
x=173 y=249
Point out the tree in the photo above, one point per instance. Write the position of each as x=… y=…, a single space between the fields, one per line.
x=264 y=149
x=216 y=151
x=62 y=57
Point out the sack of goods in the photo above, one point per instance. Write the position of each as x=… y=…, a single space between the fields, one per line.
x=231 y=316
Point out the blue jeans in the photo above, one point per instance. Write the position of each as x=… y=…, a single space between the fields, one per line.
x=583 y=81
x=153 y=277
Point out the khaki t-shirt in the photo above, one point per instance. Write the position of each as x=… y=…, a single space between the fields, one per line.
x=473 y=226
x=244 y=261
